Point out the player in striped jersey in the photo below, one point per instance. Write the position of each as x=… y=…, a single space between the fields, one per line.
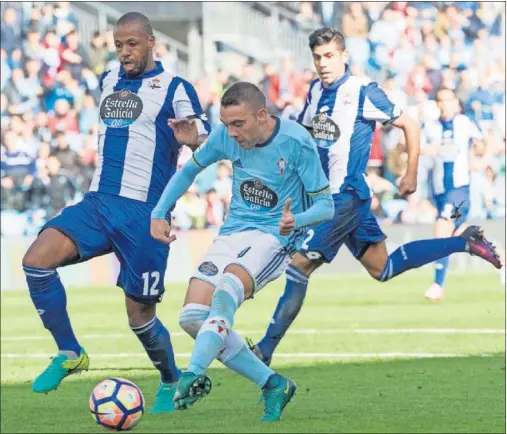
x=448 y=141
x=341 y=112
x=138 y=153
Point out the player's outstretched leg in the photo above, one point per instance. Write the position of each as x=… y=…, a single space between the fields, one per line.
x=418 y=253
x=237 y=357
x=50 y=250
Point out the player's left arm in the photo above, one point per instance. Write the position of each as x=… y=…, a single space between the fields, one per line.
x=190 y=126
x=316 y=185
x=378 y=107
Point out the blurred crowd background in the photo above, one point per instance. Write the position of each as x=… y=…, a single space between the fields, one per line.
x=50 y=93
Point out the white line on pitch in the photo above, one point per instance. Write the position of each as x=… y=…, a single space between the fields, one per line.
x=278 y=355
x=290 y=332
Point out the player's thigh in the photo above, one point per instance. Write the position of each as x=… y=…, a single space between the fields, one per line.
x=143 y=260
x=367 y=242
x=199 y=292
x=75 y=235
x=322 y=242
x=259 y=254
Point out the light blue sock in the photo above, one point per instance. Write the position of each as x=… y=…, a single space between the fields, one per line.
x=418 y=253
x=248 y=365
x=288 y=307
x=228 y=296
x=236 y=356
x=441 y=267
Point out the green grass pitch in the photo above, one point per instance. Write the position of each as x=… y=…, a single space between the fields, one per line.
x=367 y=357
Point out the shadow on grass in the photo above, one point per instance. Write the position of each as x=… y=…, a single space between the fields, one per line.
x=417 y=395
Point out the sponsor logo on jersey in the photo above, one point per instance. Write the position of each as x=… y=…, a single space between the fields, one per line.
x=258 y=196
x=121 y=109
x=325 y=130
x=208 y=268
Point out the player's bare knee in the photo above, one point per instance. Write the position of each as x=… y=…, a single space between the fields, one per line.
x=244 y=276
x=199 y=292
x=139 y=313
x=51 y=249
x=305 y=264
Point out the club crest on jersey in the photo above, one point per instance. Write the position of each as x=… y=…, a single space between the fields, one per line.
x=325 y=130
x=282 y=165
x=258 y=196
x=121 y=109
x=154 y=84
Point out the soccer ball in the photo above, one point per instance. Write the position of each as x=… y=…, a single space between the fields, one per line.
x=117 y=404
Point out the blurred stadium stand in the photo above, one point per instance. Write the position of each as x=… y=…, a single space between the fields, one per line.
x=52 y=54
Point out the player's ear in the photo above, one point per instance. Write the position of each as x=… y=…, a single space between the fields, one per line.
x=262 y=115
x=345 y=56
x=151 y=41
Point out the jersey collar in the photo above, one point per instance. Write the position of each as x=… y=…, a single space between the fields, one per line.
x=146 y=74
x=271 y=138
x=340 y=81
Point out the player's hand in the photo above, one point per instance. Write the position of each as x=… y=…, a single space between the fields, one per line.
x=408 y=184
x=288 y=222
x=185 y=131
x=160 y=229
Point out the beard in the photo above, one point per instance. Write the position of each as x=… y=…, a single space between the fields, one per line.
x=139 y=68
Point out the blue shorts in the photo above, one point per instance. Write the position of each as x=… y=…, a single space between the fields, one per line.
x=103 y=223
x=353 y=224
x=447 y=202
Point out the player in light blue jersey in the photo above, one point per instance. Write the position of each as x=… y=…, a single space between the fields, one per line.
x=279 y=188
x=448 y=141
x=341 y=111
x=138 y=154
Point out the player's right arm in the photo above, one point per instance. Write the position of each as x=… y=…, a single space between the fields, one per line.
x=209 y=152
x=305 y=117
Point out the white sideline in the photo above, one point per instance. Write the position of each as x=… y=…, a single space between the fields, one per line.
x=290 y=332
x=278 y=355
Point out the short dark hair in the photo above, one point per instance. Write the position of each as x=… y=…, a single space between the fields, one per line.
x=243 y=92
x=136 y=17
x=325 y=35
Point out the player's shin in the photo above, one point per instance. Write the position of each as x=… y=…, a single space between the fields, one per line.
x=419 y=253
x=228 y=296
x=156 y=341
x=48 y=296
x=441 y=267
x=234 y=355
x=288 y=307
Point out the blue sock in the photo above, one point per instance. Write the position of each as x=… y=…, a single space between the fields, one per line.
x=156 y=341
x=288 y=307
x=441 y=267
x=48 y=296
x=226 y=299
x=418 y=253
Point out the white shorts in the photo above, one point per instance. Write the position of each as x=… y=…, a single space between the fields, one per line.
x=259 y=253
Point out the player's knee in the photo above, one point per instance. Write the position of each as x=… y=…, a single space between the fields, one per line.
x=307 y=262
x=139 y=313
x=192 y=317
x=246 y=279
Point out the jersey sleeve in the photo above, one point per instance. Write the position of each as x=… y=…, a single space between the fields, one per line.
x=212 y=150
x=378 y=107
x=186 y=105
x=309 y=167
x=305 y=117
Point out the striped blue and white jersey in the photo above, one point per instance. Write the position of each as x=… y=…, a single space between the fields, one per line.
x=138 y=152
x=343 y=117
x=453 y=138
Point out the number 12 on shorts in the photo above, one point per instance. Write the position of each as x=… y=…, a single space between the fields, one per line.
x=147 y=289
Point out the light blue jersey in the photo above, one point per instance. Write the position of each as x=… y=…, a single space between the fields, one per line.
x=286 y=166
